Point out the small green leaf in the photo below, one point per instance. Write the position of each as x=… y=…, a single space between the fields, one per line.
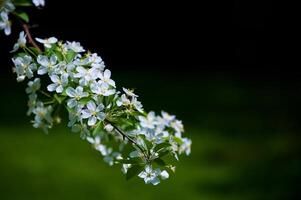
x=84 y=100
x=22 y=3
x=163 y=153
x=59 y=55
x=98 y=128
x=133 y=171
x=160 y=162
x=23 y=16
x=178 y=140
x=162 y=145
x=130 y=161
x=70 y=55
x=60 y=99
x=34 y=50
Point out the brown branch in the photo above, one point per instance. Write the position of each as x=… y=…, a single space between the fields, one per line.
x=30 y=40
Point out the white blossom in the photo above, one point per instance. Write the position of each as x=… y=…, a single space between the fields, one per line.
x=150 y=176
x=48 y=42
x=129 y=92
x=43 y=118
x=47 y=65
x=85 y=75
x=38 y=3
x=96 y=61
x=33 y=86
x=21 y=42
x=106 y=78
x=93 y=113
x=123 y=100
x=102 y=89
x=24 y=67
x=164 y=175
x=58 y=83
x=137 y=104
x=74 y=46
x=5 y=23
x=148 y=121
x=109 y=127
x=177 y=125
x=76 y=95
x=186 y=146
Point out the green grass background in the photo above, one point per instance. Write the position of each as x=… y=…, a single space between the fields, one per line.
x=246 y=143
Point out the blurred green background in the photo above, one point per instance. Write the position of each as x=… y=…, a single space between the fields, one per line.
x=246 y=143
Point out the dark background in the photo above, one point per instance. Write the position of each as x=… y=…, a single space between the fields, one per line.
x=232 y=36
x=214 y=64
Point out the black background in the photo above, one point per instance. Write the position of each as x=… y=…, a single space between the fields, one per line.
x=232 y=37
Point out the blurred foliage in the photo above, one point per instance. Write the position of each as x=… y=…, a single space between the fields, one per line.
x=246 y=143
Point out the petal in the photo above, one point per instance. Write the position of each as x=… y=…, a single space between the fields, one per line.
x=100 y=107
x=92 y=121
x=53 y=59
x=86 y=114
x=7 y=30
x=71 y=103
x=43 y=60
x=79 y=90
x=42 y=70
x=164 y=175
x=59 y=89
x=112 y=82
x=101 y=116
x=81 y=70
x=40 y=40
x=70 y=92
x=94 y=88
x=107 y=74
x=52 y=87
x=90 y=140
x=55 y=78
x=155 y=181
x=91 y=106
x=52 y=40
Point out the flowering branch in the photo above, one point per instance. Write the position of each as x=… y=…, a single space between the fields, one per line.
x=78 y=81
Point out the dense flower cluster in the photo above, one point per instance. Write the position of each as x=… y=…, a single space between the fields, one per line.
x=8 y=7
x=113 y=121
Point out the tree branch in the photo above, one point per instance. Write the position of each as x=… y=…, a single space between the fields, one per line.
x=30 y=40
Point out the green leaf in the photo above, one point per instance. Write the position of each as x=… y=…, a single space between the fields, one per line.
x=84 y=100
x=59 y=55
x=178 y=140
x=148 y=144
x=161 y=146
x=160 y=162
x=163 y=153
x=98 y=128
x=22 y=3
x=23 y=16
x=34 y=50
x=130 y=161
x=59 y=98
x=133 y=171
x=70 y=55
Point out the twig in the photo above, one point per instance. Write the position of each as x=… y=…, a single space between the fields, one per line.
x=129 y=138
x=30 y=40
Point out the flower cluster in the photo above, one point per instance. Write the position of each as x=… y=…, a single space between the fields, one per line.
x=8 y=7
x=114 y=122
